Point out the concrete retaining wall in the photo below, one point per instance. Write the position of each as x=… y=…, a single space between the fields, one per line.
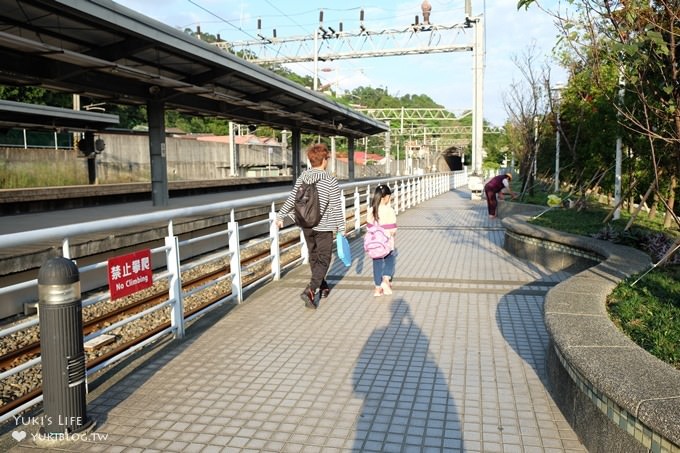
x=187 y=158
x=616 y=396
x=126 y=159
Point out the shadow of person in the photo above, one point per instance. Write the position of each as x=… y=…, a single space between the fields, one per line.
x=520 y=319
x=406 y=398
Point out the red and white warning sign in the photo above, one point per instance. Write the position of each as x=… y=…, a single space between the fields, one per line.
x=130 y=273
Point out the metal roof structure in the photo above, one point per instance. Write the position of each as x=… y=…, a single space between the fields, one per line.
x=18 y=114
x=100 y=49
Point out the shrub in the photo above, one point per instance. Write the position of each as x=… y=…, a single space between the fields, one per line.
x=649 y=312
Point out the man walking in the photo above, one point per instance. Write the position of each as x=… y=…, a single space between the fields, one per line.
x=319 y=238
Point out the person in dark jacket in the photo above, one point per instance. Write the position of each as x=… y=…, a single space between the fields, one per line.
x=319 y=239
x=496 y=186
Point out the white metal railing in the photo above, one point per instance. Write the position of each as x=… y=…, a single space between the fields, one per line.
x=407 y=192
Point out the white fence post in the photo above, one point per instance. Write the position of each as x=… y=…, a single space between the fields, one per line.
x=65 y=249
x=357 y=210
x=235 y=262
x=343 y=206
x=414 y=192
x=304 y=251
x=172 y=259
x=369 y=199
x=275 y=245
x=402 y=194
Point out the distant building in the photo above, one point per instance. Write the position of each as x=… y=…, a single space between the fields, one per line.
x=362 y=158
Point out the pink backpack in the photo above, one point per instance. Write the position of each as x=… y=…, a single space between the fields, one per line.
x=376 y=241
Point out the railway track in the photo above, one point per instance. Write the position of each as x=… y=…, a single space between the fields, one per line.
x=27 y=352
x=25 y=386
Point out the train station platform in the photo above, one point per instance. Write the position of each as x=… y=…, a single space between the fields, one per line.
x=453 y=360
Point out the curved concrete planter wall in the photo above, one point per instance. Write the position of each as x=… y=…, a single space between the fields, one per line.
x=616 y=396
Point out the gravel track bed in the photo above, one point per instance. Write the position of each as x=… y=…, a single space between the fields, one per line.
x=30 y=379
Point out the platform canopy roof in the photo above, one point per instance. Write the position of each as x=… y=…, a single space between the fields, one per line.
x=100 y=49
x=18 y=114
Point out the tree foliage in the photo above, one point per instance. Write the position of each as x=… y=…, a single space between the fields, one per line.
x=35 y=95
x=622 y=57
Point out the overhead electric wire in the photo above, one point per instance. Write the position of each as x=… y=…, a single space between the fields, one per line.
x=306 y=29
x=222 y=19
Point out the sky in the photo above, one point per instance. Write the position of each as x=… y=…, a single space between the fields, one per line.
x=447 y=78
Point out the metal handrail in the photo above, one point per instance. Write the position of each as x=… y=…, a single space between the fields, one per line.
x=409 y=191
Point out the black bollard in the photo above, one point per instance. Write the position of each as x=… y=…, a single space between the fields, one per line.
x=61 y=349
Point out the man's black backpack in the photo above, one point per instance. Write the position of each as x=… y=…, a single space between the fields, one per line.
x=307 y=208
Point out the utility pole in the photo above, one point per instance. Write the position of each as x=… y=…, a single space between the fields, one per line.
x=388 y=145
x=333 y=157
x=76 y=106
x=558 y=100
x=232 y=150
x=315 y=84
x=284 y=150
x=534 y=160
x=478 y=93
x=619 y=157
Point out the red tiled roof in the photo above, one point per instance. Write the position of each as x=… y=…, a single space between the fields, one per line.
x=361 y=157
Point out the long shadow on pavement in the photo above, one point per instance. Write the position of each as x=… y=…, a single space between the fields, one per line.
x=406 y=401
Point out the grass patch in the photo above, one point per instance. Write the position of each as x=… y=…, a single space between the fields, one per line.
x=585 y=223
x=649 y=311
x=40 y=175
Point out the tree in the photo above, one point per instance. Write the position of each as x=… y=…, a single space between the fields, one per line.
x=526 y=106
x=639 y=40
x=588 y=127
x=305 y=81
x=497 y=149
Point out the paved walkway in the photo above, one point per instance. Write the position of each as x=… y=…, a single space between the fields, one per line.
x=452 y=361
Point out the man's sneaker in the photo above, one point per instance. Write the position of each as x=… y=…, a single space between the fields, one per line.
x=324 y=289
x=308 y=297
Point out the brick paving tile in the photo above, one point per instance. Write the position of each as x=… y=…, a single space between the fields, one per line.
x=452 y=361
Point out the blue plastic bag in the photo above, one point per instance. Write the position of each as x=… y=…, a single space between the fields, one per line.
x=344 y=252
